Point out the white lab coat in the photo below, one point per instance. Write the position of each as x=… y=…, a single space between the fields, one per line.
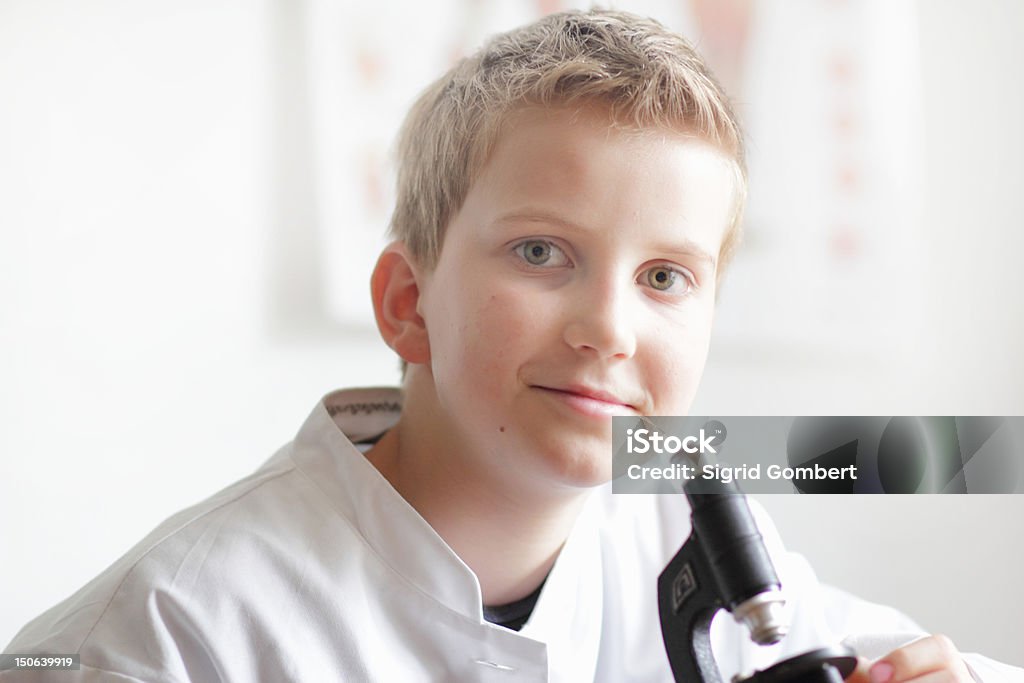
x=315 y=569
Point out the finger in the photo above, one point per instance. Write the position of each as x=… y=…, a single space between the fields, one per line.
x=923 y=656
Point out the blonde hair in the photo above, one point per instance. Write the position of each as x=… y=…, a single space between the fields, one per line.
x=643 y=74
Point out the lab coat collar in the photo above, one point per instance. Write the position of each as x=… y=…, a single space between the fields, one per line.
x=567 y=616
x=324 y=451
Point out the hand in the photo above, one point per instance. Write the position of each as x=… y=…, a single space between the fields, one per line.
x=934 y=659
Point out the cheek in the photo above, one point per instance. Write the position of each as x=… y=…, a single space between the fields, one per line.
x=487 y=334
x=505 y=327
x=676 y=364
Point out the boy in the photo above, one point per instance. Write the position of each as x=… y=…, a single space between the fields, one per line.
x=568 y=199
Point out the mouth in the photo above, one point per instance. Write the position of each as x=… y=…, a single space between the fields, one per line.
x=589 y=401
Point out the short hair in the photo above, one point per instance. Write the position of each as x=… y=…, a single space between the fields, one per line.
x=645 y=75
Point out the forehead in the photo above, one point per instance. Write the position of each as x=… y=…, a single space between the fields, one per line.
x=577 y=160
x=573 y=137
x=595 y=120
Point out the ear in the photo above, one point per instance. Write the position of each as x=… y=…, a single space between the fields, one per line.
x=395 y=288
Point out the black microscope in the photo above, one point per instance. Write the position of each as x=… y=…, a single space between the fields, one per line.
x=725 y=565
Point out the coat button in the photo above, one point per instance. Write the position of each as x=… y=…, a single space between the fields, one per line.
x=493 y=665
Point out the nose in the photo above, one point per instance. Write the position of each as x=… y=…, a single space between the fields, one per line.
x=601 y=320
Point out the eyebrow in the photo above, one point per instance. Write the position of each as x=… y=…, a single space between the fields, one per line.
x=683 y=246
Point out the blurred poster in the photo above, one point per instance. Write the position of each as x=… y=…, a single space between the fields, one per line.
x=830 y=94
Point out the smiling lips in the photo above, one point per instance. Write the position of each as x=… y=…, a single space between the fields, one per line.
x=589 y=402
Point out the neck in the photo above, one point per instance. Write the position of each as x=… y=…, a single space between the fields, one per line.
x=505 y=527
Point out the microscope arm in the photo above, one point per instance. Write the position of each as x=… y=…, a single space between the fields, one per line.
x=724 y=564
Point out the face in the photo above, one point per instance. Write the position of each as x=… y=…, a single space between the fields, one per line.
x=577 y=282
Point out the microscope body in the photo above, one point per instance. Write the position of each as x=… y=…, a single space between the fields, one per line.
x=725 y=565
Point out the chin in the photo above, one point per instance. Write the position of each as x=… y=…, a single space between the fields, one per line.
x=579 y=468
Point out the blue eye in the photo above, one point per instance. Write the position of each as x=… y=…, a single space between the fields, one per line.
x=665 y=279
x=541 y=253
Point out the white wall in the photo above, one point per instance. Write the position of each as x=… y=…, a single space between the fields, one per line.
x=145 y=359
x=162 y=330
